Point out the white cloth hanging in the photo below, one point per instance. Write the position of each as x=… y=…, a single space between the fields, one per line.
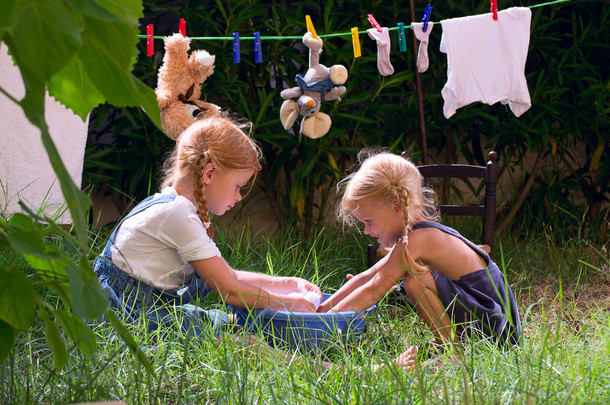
x=383 y=49
x=422 y=51
x=25 y=171
x=486 y=60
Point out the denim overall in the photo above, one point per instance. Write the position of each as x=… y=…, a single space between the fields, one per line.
x=134 y=299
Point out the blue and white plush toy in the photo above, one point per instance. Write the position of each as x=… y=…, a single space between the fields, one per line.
x=318 y=84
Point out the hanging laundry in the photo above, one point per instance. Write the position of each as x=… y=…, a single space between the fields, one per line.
x=422 y=52
x=486 y=60
x=383 y=49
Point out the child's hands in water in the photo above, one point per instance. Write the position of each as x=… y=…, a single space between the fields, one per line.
x=298 y=302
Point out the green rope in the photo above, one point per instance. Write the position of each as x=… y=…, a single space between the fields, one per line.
x=340 y=34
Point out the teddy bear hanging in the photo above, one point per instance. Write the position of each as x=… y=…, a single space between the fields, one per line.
x=319 y=83
x=179 y=86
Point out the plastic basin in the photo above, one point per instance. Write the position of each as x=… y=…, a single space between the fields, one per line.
x=305 y=331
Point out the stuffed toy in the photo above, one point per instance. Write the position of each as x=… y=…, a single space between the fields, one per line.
x=318 y=84
x=179 y=86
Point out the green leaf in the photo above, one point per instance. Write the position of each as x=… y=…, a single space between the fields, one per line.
x=22 y=221
x=7 y=15
x=94 y=9
x=109 y=66
x=26 y=242
x=54 y=340
x=7 y=340
x=17 y=299
x=77 y=330
x=47 y=34
x=88 y=298
x=127 y=9
x=74 y=89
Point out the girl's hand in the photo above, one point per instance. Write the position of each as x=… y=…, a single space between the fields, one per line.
x=303 y=286
x=324 y=307
x=295 y=302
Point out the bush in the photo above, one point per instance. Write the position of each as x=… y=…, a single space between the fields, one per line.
x=566 y=71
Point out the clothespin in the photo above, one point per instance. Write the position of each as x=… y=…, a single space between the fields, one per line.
x=402 y=40
x=494 y=8
x=258 y=53
x=310 y=27
x=356 y=42
x=374 y=22
x=426 y=18
x=182 y=28
x=150 y=41
x=236 y=50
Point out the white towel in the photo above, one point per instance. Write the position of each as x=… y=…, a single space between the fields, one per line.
x=25 y=171
x=486 y=60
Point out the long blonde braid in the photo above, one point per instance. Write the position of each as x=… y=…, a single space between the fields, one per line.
x=219 y=141
x=402 y=195
x=198 y=188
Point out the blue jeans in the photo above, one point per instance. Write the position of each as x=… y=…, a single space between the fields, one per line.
x=134 y=299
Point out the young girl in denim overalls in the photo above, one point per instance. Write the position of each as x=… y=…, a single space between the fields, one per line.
x=161 y=256
x=454 y=285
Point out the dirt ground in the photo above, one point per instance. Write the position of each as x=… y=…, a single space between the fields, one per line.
x=570 y=304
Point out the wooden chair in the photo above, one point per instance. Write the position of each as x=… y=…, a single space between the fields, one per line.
x=486 y=210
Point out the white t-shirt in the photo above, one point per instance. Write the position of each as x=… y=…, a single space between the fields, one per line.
x=156 y=245
x=486 y=60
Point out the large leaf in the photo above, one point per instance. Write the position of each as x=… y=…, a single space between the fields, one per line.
x=7 y=340
x=126 y=9
x=7 y=15
x=47 y=34
x=109 y=66
x=54 y=340
x=17 y=299
x=88 y=299
x=74 y=89
x=77 y=330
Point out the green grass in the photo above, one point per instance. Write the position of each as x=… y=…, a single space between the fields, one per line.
x=562 y=289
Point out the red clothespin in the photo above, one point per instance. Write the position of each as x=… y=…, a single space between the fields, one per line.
x=150 y=41
x=494 y=8
x=374 y=22
x=182 y=28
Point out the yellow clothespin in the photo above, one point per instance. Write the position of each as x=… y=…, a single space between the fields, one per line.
x=356 y=42
x=310 y=27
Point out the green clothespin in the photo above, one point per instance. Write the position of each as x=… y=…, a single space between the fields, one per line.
x=402 y=40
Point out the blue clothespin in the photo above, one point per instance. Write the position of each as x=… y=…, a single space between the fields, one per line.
x=402 y=40
x=426 y=17
x=236 y=56
x=258 y=53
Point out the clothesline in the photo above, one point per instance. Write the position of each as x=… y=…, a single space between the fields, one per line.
x=340 y=34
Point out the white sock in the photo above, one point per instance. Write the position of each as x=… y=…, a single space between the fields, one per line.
x=422 y=53
x=383 y=50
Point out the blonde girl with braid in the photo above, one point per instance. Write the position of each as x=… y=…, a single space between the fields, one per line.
x=162 y=255
x=454 y=285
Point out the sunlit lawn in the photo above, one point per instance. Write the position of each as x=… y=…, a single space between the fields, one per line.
x=562 y=290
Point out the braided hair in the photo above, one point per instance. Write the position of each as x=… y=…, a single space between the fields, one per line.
x=387 y=177
x=220 y=141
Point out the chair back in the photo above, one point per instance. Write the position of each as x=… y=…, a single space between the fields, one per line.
x=486 y=210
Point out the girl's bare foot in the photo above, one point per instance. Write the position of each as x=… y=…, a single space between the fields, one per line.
x=407 y=359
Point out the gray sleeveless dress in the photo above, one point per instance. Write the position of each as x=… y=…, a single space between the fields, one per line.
x=480 y=303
